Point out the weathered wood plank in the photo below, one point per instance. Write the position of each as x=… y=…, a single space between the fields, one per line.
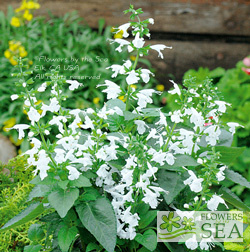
x=181 y=16
x=187 y=55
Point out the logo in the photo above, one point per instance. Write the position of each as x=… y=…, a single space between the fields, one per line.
x=181 y=226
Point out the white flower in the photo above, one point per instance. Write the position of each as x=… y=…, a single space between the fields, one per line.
x=56 y=120
x=60 y=156
x=27 y=101
x=222 y=106
x=42 y=88
x=53 y=107
x=116 y=69
x=158 y=48
x=14 y=97
x=124 y=29
x=113 y=90
x=68 y=143
x=138 y=42
x=144 y=97
x=101 y=154
x=42 y=164
x=206 y=244
x=220 y=175
x=87 y=124
x=170 y=158
x=159 y=157
x=213 y=203
x=141 y=126
x=213 y=134
x=151 y=195
x=232 y=126
x=192 y=243
x=122 y=43
x=151 y=20
x=73 y=173
x=197 y=119
x=176 y=89
x=145 y=75
x=193 y=182
x=152 y=134
x=33 y=115
x=131 y=161
x=162 y=120
x=132 y=77
x=74 y=84
x=176 y=116
x=20 y=128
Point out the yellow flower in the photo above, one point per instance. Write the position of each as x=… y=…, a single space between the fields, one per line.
x=9 y=124
x=112 y=29
x=24 y=110
x=96 y=100
x=30 y=62
x=28 y=16
x=122 y=98
x=160 y=87
x=22 y=7
x=15 y=21
x=133 y=86
x=118 y=35
x=22 y=52
x=13 y=62
x=19 y=152
x=7 y=54
x=132 y=57
x=16 y=142
x=13 y=45
x=32 y=5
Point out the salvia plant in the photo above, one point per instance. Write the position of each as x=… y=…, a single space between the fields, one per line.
x=99 y=185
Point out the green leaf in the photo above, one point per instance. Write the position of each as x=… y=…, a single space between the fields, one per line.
x=116 y=103
x=36 y=233
x=181 y=160
x=28 y=214
x=228 y=154
x=151 y=112
x=174 y=247
x=63 y=184
x=92 y=246
x=63 y=200
x=233 y=199
x=148 y=239
x=32 y=248
x=130 y=116
x=81 y=182
x=99 y=219
x=147 y=218
x=115 y=122
x=39 y=191
x=65 y=237
x=236 y=178
x=171 y=182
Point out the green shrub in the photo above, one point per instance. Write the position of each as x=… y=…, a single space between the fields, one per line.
x=14 y=190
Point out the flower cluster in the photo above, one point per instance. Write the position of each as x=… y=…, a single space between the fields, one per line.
x=16 y=49
x=24 y=12
x=121 y=147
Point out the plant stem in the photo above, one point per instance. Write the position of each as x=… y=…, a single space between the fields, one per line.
x=129 y=88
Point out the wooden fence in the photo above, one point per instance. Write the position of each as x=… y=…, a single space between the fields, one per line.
x=208 y=33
